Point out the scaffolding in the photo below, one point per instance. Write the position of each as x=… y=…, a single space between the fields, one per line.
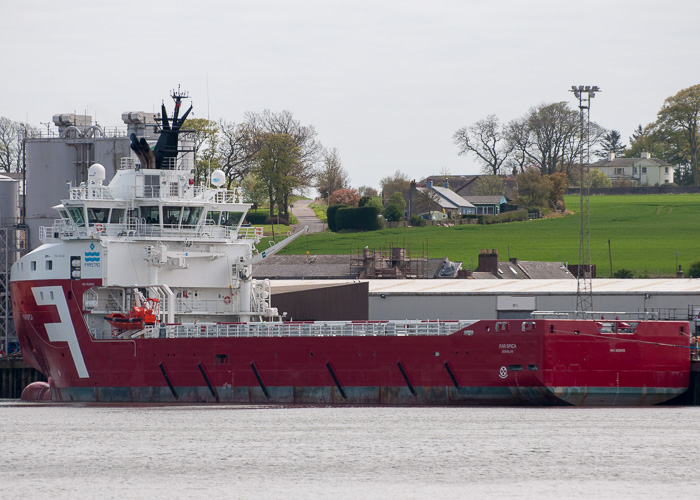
x=12 y=245
x=392 y=262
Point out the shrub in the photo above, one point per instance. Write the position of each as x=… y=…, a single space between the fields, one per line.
x=623 y=273
x=330 y=215
x=362 y=218
x=417 y=221
x=694 y=270
x=274 y=220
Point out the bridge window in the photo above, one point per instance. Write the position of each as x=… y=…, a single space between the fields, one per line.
x=213 y=217
x=191 y=215
x=231 y=218
x=150 y=214
x=171 y=216
x=97 y=215
x=117 y=216
x=76 y=214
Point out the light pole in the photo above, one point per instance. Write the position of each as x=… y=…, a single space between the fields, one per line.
x=584 y=292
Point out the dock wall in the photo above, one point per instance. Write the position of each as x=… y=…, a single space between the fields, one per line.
x=15 y=375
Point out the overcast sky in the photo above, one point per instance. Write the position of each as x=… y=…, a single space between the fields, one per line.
x=387 y=83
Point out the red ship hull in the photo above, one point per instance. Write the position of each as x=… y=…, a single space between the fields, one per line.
x=535 y=362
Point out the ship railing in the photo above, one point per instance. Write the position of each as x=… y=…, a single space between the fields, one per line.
x=313 y=329
x=599 y=315
x=91 y=192
x=250 y=233
x=61 y=229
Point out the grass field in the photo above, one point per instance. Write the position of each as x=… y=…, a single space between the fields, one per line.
x=645 y=232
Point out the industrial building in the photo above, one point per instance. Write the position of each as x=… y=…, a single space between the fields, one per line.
x=507 y=299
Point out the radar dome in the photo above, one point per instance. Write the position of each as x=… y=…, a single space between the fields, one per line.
x=218 y=178
x=96 y=174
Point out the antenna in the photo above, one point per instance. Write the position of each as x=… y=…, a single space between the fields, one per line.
x=584 y=284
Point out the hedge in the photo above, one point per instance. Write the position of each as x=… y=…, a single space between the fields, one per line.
x=362 y=218
x=513 y=216
x=254 y=218
x=330 y=215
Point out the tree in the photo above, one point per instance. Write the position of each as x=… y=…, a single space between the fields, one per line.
x=681 y=113
x=487 y=140
x=12 y=135
x=237 y=148
x=598 y=179
x=204 y=134
x=394 y=209
x=254 y=190
x=534 y=189
x=612 y=141
x=558 y=190
x=277 y=164
x=303 y=136
x=489 y=185
x=344 y=196
x=397 y=183
x=368 y=191
x=549 y=138
x=331 y=176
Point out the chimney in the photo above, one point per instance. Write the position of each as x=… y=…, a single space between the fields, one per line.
x=611 y=155
x=646 y=155
x=488 y=261
x=446 y=184
x=514 y=260
x=428 y=183
x=679 y=273
x=465 y=274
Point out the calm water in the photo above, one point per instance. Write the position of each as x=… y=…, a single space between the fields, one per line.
x=89 y=451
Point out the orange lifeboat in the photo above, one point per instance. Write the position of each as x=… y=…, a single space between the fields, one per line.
x=136 y=318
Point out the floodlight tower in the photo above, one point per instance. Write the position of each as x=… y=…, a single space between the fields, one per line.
x=584 y=287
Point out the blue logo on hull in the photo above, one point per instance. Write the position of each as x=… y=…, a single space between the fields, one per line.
x=92 y=257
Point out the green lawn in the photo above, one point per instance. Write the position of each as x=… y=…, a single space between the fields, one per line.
x=645 y=232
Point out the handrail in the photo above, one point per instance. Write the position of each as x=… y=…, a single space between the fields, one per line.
x=309 y=329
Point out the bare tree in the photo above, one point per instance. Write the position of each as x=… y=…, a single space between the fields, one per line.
x=391 y=184
x=12 y=135
x=548 y=137
x=331 y=176
x=237 y=147
x=487 y=140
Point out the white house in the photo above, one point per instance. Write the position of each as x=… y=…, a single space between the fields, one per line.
x=644 y=171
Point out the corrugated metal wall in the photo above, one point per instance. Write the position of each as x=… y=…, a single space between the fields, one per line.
x=328 y=303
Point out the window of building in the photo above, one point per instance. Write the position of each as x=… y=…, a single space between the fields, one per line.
x=644 y=170
x=666 y=170
x=619 y=171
